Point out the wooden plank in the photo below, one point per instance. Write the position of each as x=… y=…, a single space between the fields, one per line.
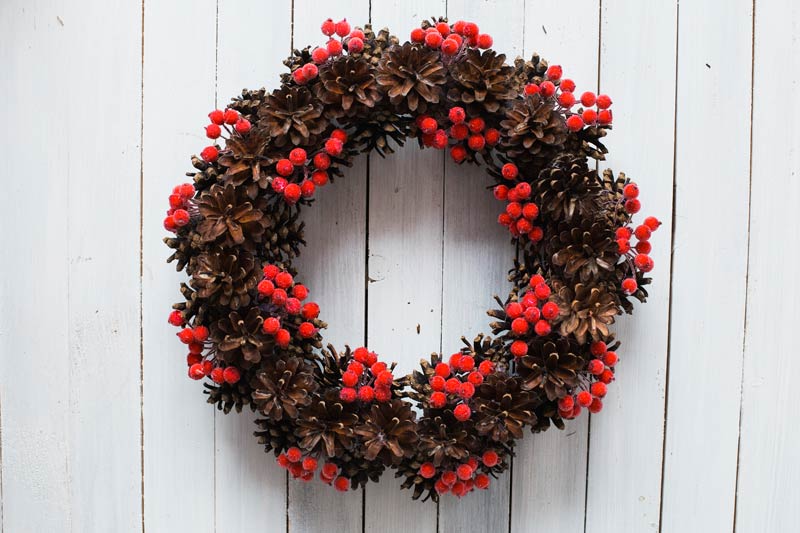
x=333 y=268
x=70 y=299
x=250 y=486
x=75 y=461
x=550 y=468
x=179 y=77
x=405 y=271
x=626 y=444
x=706 y=342
x=769 y=465
x=476 y=247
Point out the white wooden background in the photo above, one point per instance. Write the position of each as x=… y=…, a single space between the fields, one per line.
x=102 y=102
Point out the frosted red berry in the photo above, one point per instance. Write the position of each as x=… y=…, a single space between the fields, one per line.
x=550 y=310
x=433 y=39
x=547 y=89
x=217 y=117
x=320 y=55
x=231 y=375
x=584 y=398
x=567 y=85
x=542 y=328
x=566 y=100
x=575 y=123
x=231 y=116
x=306 y=330
x=486 y=367
x=334 y=47
x=588 y=99
x=589 y=116
x=355 y=45
x=210 y=154
x=603 y=101
x=599 y=389
x=196 y=371
x=438 y=400
x=554 y=72
x=633 y=206
x=458 y=153
x=213 y=131
x=342 y=28
x=596 y=367
x=652 y=222
x=462 y=412
x=284 y=167
x=490 y=458
x=485 y=41
x=519 y=348
x=542 y=291
x=242 y=126
x=510 y=171
x=427 y=470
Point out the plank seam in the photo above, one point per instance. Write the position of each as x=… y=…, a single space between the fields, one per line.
x=2 y=514
x=671 y=264
x=747 y=265
x=216 y=100
x=141 y=272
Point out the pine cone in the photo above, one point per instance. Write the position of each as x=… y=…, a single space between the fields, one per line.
x=412 y=76
x=284 y=243
x=551 y=366
x=444 y=439
x=533 y=132
x=231 y=218
x=502 y=408
x=239 y=339
x=248 y=103
x=375 y=131
x=376 y=44
x=586 y=252
x=531 y=71
x=482 y=81
x=325 y=426
x=347 y=87
x=389 y=432
x=244 y=159
x=283 y=387
x=228 y=397
x=221 y=276
x=292 y=116
x=585 y=312
x=566 y=188
x=276 y=436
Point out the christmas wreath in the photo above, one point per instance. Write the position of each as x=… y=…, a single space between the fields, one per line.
x=254 y=335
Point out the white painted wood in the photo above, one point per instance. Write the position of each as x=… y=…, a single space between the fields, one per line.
x=333 y=267
x=250 y=486
x=626 y=444
x=405 y=271
x=769 y=466
x=69 y=378
x=476 y=248
x=179 y=77
x=706 y=344
x=551 y=467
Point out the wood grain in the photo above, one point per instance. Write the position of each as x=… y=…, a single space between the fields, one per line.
x=628 y=434
x=250 y=486
x=706 y=344
x=769 y=466
x=179 y=80
x=551 y=467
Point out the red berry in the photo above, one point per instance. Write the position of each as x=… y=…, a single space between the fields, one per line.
x=309 y=464
x=566 y=100
x=466 y=363
x=482 y=481
x=319 y=55
x=566 y=403
x=603 y=101
x=266 y=288
x=596 y=367
x=458 y=153
x=466 y=390
x=433 y=39
x=282 y=338
x=438 y=400
x=644 y=247
x=231 y=116
x=476 y=125
x=598 y=348
x=652 y=222
x=476 y=378
x=575 y=123
x=536 y=234
x=624 y=246
x=279 y=185
x=519 y=348
x=532 y=314
x=589 y=116
x=231 y=375
x=456 y=115
x=284 y=167
x=443 y=28
x=342 y=28
x=642 y=232
x=342 y=484
x=377 y=368
x=284 y=280
x=523 y=190
x=633 y=206
x=514 y=310
x=629 y=285
x=292 y=193
x=217 y=375
x=607 y=376
x=605 y=117
x=542 y=328
x=610 y=359
x=531 y=89
x=417 y=35
x=328 y=27
x=567 y=85
x=242 y=126
x=476 y=142
x=452 y=385
x=554 y=72
x=599 y=389
x=213 y=131
x=490 y=458
x=310 y=311
x=348 y=394
x=485 y=41
x=306 y=330
x=428 y=125
x=334 y=146
x=196 y=371
x=319 y=178
x=449 y=47
x=584 y=398
x=175 y=318
x=271 y=325
x=307 y=189
x=459 y=132
x=385 y=378
x=501 y=192
x=462 y=412
x=492 y=136
x=464 y=472
x=514 y=210
x=535 y=280
x=547 y=89
x=486 y=367
x=442 y=369
x=200 y=333
x=449 y=478
x=519 y=326
x=217 y=117
x=550 y=310
x=193 y=358
x=186 y=335
x=334 y=47
x=542 y=291
x=470 y=29
x=355 y=45
x=366 y=394
x=596 y=406
x=181 y=217
x=624 y=233
x=510 y=171
x=437 y=383
x=588 y=99
x=209 y=154
x=427 y=470
x=458 y=27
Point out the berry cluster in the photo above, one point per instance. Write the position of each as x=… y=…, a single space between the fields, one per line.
x=519 y=213
x=283 y=297
x=462 y=128
x=366 y=379
x=637 y=254
x=451 y=39
x=601 y=370
x=350 y=41
x=304 y=467
x=311 y=173
x=223 y=120
x=179 y=207
x=200 y=367
x=465 y=478
x=531 y=311
x=453 y=384
x=595 y=108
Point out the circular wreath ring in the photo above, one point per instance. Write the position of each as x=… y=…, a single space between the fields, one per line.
x=254 y=335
